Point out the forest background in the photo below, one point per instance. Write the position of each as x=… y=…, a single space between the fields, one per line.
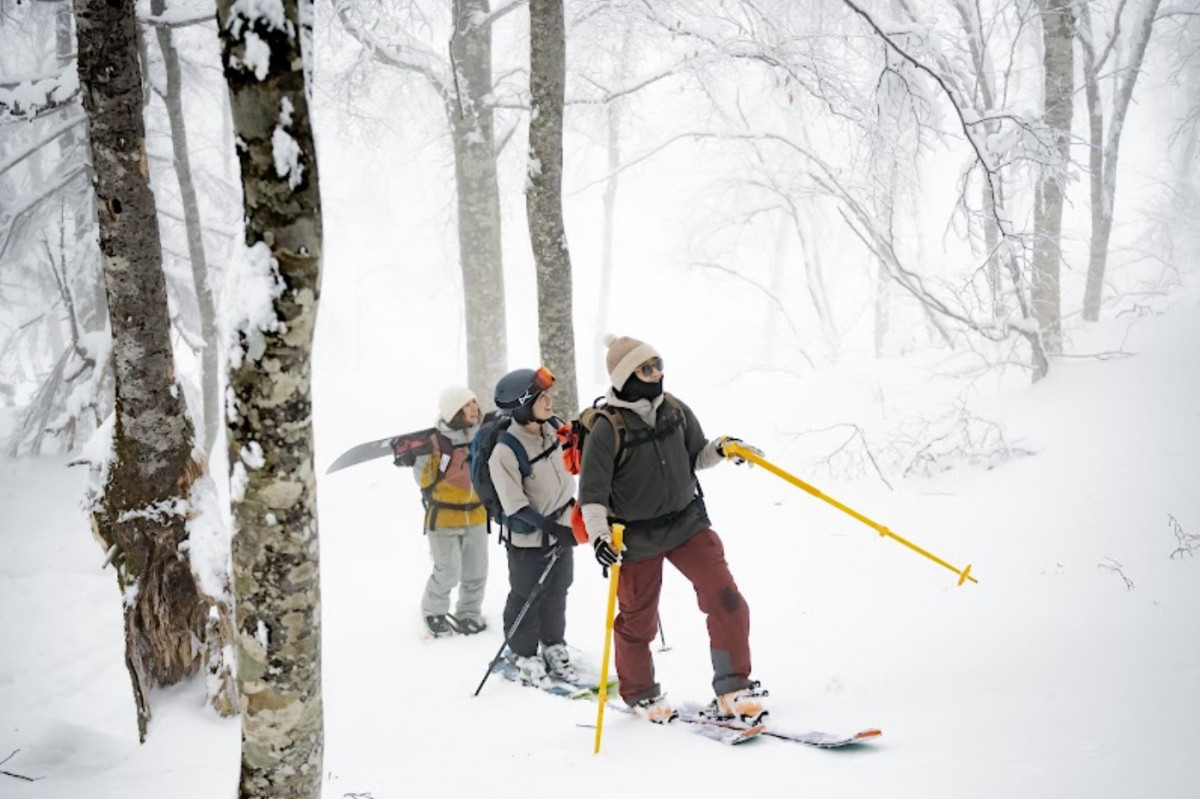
x=850 y=227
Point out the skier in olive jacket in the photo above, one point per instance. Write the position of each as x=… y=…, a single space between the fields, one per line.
x=643 y=476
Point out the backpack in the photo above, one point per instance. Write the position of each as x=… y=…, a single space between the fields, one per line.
x=581 y=427
x=439 y=447
x=492 y=433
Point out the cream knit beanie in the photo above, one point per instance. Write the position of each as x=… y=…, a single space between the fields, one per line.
x=453 y=400
x=624 y=355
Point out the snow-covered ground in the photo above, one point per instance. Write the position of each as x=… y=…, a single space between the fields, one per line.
x=1071 y=669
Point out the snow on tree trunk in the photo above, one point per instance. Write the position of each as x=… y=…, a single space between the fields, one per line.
x=141 y=512
x=543 y=198
x=480 y=255
x=265 y=49
x=1058 y=62
x=209 y=383
x=1103 y=160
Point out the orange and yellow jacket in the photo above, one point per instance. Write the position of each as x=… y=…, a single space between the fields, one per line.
x=445 y=480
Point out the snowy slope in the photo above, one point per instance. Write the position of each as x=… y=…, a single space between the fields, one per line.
x=1051 y=677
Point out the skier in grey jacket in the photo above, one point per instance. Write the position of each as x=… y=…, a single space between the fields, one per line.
x=539 y=506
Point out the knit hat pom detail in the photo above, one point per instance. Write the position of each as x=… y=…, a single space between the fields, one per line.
x=608 y=339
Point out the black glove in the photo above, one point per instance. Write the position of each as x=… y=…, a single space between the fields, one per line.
x=605 y=555
x=563 y=536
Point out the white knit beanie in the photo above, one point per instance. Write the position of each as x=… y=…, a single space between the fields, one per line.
x=624 y=355
x=453 y=400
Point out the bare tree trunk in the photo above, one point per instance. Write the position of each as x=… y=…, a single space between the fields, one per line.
x=543 y=198
x=1058 y=60
x=270 y=437
x=1103 y=160
x=141 y=513
x=480 y=255
x=209 y=382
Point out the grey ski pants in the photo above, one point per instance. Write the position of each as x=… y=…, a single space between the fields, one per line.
x=460 y=558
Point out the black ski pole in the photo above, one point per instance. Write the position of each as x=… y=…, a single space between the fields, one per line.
x=662 y=636
x=533 y=595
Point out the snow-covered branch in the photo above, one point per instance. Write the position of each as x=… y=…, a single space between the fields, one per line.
x=410 y=55
x=37 y=96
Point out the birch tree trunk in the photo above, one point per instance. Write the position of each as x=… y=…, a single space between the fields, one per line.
x=209 y=383
x=543 y=198
x=1103 y=157
x=140 y=515
x=478 y=189
x=269 y=405
x=1058 y=63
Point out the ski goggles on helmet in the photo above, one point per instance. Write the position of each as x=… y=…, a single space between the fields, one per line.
x=542 y=379
x=648 y=368
x=539 y=381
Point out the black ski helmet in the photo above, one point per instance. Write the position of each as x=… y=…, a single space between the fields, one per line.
x=521 y=387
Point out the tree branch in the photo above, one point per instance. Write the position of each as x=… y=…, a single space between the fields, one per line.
x=414 y=58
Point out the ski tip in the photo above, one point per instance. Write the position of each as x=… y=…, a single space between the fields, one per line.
x=863 y=735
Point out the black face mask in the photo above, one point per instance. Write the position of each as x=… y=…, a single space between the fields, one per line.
x=636 y=389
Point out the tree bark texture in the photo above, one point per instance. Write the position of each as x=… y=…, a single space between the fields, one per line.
x=209 y=382
x=1058 y=63
x=269 y=405
x=1104 y=150
x=141 y=513
x=480 y=255
x=543 y=198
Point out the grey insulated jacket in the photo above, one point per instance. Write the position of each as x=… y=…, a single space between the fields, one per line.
x=548 y=488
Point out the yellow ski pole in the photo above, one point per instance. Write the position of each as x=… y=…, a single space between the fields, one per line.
x=614 y=574
x=732 y=449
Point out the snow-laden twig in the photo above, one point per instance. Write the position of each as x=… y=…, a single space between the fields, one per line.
x=1188 y=542
x=1108 y=564
x=13 y=774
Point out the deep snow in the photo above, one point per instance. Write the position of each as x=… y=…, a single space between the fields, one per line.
x=1051 y=677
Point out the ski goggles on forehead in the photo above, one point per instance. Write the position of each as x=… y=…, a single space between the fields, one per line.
x=650 y=367
x=542 y=379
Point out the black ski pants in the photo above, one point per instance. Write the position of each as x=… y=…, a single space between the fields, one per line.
x=546 y=619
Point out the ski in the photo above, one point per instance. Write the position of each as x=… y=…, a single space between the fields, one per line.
x=723 y=733
x=821 y=740
x=509 y=671
x=825 y=740
x=728 y=734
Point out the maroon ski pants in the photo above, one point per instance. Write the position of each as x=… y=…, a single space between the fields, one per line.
x=701 y=559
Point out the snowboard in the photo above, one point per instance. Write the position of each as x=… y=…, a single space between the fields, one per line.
x=404 y=448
